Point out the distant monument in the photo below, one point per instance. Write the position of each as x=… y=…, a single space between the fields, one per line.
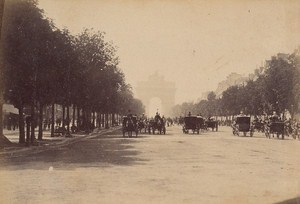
x=156 y=86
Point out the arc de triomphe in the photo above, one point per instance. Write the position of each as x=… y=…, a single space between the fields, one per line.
x=156 y=86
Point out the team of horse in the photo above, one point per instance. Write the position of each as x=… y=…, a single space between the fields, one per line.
x=132 y=125
x=152 y=125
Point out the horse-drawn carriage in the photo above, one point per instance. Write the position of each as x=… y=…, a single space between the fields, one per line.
x=129 y=125
x=296 y=130
x=157 y=124
x=142 y=124
x=194 y=123
x=213 y=124
x=276 y=127
x=242 y=124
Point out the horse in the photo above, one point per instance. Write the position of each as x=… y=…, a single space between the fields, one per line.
x=142 y=124
x=129 y=126
x=159 y=125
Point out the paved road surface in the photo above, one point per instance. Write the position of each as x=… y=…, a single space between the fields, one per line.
x=213 y=167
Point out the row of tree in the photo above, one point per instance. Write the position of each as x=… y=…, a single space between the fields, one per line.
x=274 y=87
x=42 y=65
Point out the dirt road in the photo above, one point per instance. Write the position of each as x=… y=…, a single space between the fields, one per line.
x=213 y=167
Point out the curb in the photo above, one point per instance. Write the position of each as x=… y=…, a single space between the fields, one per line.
x=66 y=141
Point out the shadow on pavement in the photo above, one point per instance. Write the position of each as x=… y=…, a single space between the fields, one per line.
x=96 y=152
x=290 y=201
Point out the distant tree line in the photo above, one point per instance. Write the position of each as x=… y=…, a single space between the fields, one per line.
x=274 y=87
x=42 y=65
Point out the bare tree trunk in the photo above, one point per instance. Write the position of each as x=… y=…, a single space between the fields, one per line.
x=63 y=116
x=28 y=120
x=40 y=135
x=73 y=121
x=78 y=117
x=83 y=116
x=103 y=120
x=21 y=126
x=106 y=121
x=32 y=135
x=98 y=120
x=68 y=120
x=94 y=118
x=113 y=119
x=52 y=119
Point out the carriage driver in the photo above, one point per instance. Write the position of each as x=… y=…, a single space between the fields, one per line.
x=129 y=115
x=241 y=113
x=157 y=117
x=275 y=117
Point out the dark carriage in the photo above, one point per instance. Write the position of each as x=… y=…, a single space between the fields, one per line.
x=275 y=128
x=212 y=124
x=129 y=125
x=194 y=123
x=158 y=124
x=243 y=124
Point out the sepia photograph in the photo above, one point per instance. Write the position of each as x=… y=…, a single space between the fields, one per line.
x=150 y=101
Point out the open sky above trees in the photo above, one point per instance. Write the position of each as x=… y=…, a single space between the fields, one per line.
x=194 y=43
x=42 y=65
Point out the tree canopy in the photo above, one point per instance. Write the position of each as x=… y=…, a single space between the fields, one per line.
x=275 y=87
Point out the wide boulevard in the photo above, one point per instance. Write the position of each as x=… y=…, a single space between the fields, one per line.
x=212 y=167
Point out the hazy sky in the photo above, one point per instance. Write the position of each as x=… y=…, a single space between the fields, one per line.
x=196 y=44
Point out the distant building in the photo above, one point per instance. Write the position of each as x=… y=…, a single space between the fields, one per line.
x=231 y=80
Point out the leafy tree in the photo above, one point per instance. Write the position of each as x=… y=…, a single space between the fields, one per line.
x=24 y=45
x=279 y=84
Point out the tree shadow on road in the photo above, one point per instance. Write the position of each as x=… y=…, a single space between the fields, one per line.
x=290 y=201
x=97 y=152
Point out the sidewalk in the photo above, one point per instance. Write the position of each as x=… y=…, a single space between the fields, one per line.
x=48 y=142
x=13 y=135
